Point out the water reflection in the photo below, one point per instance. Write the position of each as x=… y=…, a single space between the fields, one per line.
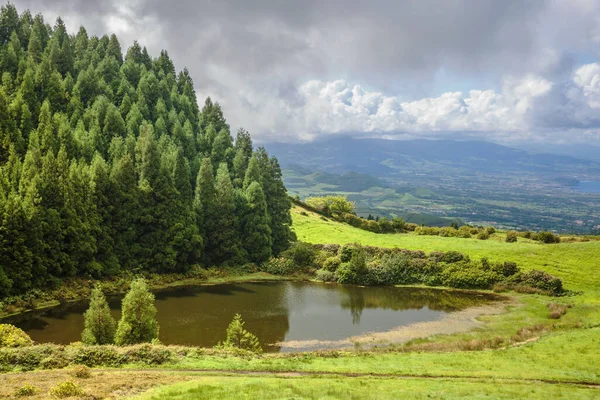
x=274 y=311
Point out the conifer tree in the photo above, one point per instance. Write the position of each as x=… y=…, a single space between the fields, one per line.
x=239 y=337
x=256 y=229
x=99 y=324
x=138 y=322
x=225 y=241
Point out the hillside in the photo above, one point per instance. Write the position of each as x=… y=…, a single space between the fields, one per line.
x=480 y=183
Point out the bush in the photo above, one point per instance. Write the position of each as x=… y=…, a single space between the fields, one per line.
x=385 y=226
x=511 y=237
x=410 y=227
x=483 y=235
x=427 y=230
x=26 y=390
x=468 y=276
x=556 y=310
x=81 y=371
x=490 y=230
x=372 y=226
x=392 y=269
x=303 y=254
x=448 y=231
x=355 y=270
x=506 y=268
x=541 y=280
x=279 y=266
x=347 y=250
x=11 y=336
x=398 y=224
x=464 y=232
x=452 y=257
x=548 y=237
x=332 y=263
x=66 y=389
x=324 y=275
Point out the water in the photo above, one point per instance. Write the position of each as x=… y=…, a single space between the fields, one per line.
x=274 y=311
x=588 y=187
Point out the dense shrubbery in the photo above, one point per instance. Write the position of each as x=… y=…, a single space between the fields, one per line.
x=365 y=265
x=11 y=336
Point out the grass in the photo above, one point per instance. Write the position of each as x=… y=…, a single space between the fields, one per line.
x=538 y=356
x=365 y=388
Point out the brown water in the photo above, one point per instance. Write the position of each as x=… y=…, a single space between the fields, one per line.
x=274 y=311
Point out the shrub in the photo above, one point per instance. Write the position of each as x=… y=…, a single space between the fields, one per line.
x=332 y=263
x=355 y=270
x=279 y=266
x=511 y=237
x=483 y=235
x=541 y=280
x=331 y=204
x=385 y=226
x=372 y=226
x=66 y=389
x=398 y=224
x=548 y=237
x=93 y=356
x=506 y=268
x=452 y=257
x=81 y=371
x=448 y=231
x=468 y=276
x=427 y=230
x=410 y=227
x=464 y=232
x=325 y=275
x=392 y=269
x=138 y=320
x=99 y=325
x=490 y=230
x=11 y=336
x=26 y=390
x=303 y=254
x=347 y=250
x=239 y=337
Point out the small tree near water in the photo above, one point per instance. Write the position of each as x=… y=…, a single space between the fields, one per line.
x=239 y=337
x=138 y=321
x=99 y=325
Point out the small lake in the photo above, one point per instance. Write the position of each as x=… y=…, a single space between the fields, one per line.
x=588 y=187
x=275 y=311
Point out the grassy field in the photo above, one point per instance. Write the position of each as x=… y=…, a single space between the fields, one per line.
x=550 y=358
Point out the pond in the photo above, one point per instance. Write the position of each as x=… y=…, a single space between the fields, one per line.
x=315 y=314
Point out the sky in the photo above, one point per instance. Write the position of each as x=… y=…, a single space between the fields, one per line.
x=509 y=71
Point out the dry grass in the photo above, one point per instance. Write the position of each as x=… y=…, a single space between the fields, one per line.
x=100 y=384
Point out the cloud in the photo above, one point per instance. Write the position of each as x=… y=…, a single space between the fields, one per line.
x=512 y=69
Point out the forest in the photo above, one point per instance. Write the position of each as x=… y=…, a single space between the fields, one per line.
x=107 y=164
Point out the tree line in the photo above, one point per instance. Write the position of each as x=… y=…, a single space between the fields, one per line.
x=107 y=164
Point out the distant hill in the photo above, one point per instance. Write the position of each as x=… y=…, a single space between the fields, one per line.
x=380 y=157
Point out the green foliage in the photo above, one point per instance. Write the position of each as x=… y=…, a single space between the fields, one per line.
x=26 y=390
x=66 y=389
x=511 y=237
x=11 y=336
x=104 y=164
x=279 y=266
x=238 y=337
x=99 y=325
x=541 y=280
x=138 y=321
x=302 y=254
x=547 y=237
x=355 y=270
x=331 y=204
